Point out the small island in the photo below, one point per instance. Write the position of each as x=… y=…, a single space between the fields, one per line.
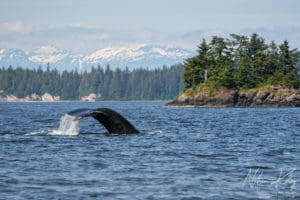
x=241 y=71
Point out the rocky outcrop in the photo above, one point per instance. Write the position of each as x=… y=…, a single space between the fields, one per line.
x=267 y=97
x=12 y=98
x=91 y=97
x=49 y=98
x=33 y=97
x=271 y=97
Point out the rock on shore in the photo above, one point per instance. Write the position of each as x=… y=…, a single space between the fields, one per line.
x=90 y=98
x=33 y=97
x=267 y=97
x=49 y=98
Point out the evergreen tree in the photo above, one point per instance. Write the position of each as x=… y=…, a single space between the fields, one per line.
x=221 y=71
x=196 y=68
x=287 y=65
x=242 y=63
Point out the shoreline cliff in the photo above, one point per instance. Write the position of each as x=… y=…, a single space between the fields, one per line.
x=260 y=97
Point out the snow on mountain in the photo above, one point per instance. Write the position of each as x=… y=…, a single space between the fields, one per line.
x=47 y=54
x=111 y=53
x=2 y=51
x=59 y=59
x=132 y=56
x=151 y=56
x=136 y=52
x=15 y=58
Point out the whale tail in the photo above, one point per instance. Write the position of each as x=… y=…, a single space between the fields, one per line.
x=114 y=122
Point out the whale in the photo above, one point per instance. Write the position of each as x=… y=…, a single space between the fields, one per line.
x=113 y=121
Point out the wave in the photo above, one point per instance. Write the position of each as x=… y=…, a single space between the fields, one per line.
x=155 y=132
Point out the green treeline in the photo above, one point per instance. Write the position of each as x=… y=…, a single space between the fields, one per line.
x=242 y=62
x=138 y=84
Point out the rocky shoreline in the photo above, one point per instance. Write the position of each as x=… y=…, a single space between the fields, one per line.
x=46 y=97
x=268 y=97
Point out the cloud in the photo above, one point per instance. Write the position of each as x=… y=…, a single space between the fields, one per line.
x=278 y=34
x=15 y=27
x=82 y=38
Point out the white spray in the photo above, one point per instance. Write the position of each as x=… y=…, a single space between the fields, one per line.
x=68 y=126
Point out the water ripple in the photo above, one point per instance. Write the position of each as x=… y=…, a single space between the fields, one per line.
x=181 y=153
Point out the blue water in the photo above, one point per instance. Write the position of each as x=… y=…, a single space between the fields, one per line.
x=182 y=153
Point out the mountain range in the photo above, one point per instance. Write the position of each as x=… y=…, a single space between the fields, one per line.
x=132 y=56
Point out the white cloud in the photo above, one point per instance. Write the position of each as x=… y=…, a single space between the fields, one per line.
x=83 y=39
x=84 y=26
x=15 y=27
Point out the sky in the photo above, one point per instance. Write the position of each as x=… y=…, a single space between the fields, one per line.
x=87 y=25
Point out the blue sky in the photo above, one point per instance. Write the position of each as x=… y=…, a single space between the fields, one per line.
x=96 y=23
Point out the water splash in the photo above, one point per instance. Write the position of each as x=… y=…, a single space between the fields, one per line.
x=68 y=126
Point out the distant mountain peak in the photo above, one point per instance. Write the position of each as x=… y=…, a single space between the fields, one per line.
x=47 y=54
x=137 y=52
x=132 y=56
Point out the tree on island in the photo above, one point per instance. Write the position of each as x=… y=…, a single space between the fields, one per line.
x=242 y=63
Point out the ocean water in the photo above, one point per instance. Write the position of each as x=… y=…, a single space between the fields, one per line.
x=182 y=153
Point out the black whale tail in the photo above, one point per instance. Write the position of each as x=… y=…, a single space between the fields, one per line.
x=114 y=122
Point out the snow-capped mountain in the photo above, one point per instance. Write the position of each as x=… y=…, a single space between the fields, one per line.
x=47 y=54
x=59 y=59
x=134 y=56
x=151 y=56
x=15 y=58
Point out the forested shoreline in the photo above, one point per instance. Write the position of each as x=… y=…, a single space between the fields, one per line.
x=119 y=84
x=241 y=71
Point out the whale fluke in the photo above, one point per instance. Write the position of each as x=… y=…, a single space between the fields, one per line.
x=114 y=122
